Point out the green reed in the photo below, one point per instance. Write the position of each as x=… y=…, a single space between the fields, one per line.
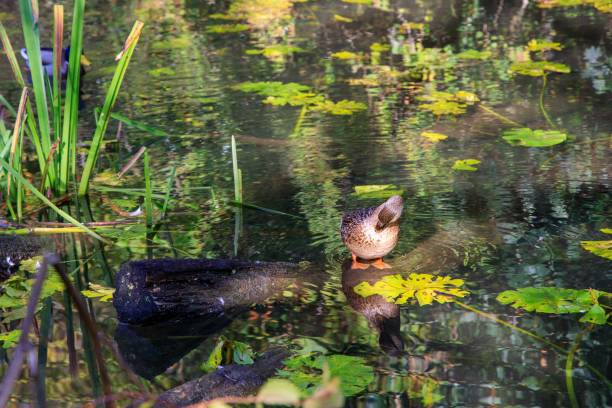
x=52 y=121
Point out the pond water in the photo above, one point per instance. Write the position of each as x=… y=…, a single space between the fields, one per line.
x=517 y=221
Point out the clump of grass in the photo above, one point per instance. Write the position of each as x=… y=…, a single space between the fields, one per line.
x=51 y=122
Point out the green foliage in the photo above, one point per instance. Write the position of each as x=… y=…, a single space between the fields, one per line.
x=537 y=45
x=100 y=292
x=306 y=371
x=434 y=137
x=16 y=290
x=378 y=47
x=280 y=94
x=554 y=300
x=276 y=51
x=366 y=2
x=345 y=55
x=172 y=43
x=474 y=55
x=466 y=165
x=377 y=191
x=226 y=28
x=534 y=138
x=342 y=19
x=446 y=103
x=163 y=71
x=605 y=6
x=228 y=352
x=600 y=248
x=277 y=391
x=423 y=287
x=538 y=68
x=9 y=339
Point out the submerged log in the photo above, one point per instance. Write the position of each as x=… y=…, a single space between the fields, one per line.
x=155 y=291
x=233 y=380
x=14 y=249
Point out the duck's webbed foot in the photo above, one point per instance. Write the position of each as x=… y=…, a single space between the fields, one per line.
x=380 y=264
x=358 y=265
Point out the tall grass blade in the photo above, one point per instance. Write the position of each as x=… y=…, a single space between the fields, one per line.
x=139 y=125
x=237 y=173
x=71 y=104
x=148 y=191
x=45 y=200
x=31 y=119
x=111 y=96
x=32 y=42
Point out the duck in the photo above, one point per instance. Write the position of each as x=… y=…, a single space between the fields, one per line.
x=371 y=233
x=46 y=56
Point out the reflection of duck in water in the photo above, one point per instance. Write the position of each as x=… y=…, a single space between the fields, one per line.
x=381 y=315
x=371 y=233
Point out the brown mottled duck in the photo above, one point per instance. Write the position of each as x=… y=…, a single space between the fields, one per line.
x=371 y=233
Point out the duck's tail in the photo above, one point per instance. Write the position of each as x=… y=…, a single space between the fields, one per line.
x=390 y=211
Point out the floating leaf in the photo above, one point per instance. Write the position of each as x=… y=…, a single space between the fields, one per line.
x=605 y=6
x=433 y=136
x=163 y=71
x=423 y=287
x=465 y=165
x=377 y=47
x=467 y=97
x=345 y=55
x=536 y=45
x=444 y=108
x=342 y=107
x=100 y=292
x=446 y=103
x=600 y=248
x=226 y=28
x=474 y=55
x=606 y=230
x=172 y=44
x=556 y=301
x=538 y=68
x=307 y=372
x=366 y=2
x=342 y=19
x=277 y=51
x=377 y=191
x=534 y=138
x=9 y=339
x=277 y=391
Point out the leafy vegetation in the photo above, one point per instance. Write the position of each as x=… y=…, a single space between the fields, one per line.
x=228 y=352
x=434 y=137
x=534 y=138
x=422 y=287
x=100 y=292
x=466 y=165
x=474 y=55
x=554 y=300
x=538 y=68
x=446 y=103
x=600 y=248
x=377 y=191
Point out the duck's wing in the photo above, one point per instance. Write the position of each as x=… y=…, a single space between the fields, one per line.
x=387 y=214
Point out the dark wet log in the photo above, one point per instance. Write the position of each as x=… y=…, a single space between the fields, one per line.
x=155 y=291
x=14 y=249
x=229 y=381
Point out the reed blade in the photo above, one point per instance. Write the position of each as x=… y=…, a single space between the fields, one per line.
x=71 y=103
x=58 y=57
x=148 y=191
x=16 y=135
x=111 y=97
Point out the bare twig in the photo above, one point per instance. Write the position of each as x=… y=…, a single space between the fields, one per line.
x=131 y=162
x=16 y=365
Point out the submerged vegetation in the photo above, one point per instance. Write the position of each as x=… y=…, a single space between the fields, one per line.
x=243 y=130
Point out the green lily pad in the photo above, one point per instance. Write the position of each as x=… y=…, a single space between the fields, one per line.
x=466 y=165
x=538 y=68
x=343 y=107
x=377 y=191
x=345 y=55
x=555 y=300
x=378 y=47
x=226 y=28
x=536 y=45
x=434 y=137
x=600 y=248
x=534 y=138
x=474 y=55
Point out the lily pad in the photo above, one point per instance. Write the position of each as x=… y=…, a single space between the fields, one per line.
x=433 y=136
x=538 y=68
x=102 y=293
x=422 y=287
x=226 y=28
x=345 y=55
x=163 y=71
x=9 y=339
x=343 y=107
x=466 y=165
x=342 y=19
x=378 y=47
x=446 y=103
x=536 y=45
x=534 y=138
x=377 y=191
x=600 y=248
x=555 y=300
x=474 y=55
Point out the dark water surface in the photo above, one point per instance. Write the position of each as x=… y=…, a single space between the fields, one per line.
x=515 y=222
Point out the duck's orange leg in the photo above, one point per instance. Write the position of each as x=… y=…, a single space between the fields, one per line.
x=358 y=265
x=380 y=264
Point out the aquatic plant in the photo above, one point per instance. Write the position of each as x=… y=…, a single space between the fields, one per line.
x=100 y=292
x=377 y=191
x=538 y=45
x=474 y=55
x=422 y=287
x=228 y=352
x=553 y=300
x=466 y=165
x=446 y=103
x=600 y=248
x=533 y=138
x=434 y=136
x=605 y=6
